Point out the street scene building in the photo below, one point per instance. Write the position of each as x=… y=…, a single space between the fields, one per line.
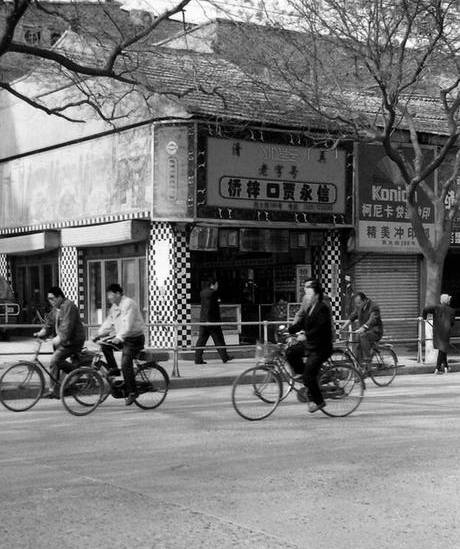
x=200 y=186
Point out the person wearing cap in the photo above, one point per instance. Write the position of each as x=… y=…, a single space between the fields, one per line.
x=370 y=329
x=443 y=321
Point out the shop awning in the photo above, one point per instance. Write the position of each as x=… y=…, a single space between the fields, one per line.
x=30 y=243
x=121 y=232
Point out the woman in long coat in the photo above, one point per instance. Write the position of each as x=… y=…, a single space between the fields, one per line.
x=443 y=321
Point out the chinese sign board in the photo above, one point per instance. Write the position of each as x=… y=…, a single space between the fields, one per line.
x=172 y=186
x=383 y=220
x=273 y=182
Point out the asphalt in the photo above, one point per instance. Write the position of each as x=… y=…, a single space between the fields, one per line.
x=213 y=373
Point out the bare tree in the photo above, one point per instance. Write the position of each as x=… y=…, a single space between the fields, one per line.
x=366 y=68
x=81 y=46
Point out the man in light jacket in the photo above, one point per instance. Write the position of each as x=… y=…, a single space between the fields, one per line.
x=126 y=325
x=65 y=324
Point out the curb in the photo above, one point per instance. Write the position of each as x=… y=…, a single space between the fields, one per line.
x=216 y=381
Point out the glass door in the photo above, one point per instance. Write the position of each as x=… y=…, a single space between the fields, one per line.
x=128 y=272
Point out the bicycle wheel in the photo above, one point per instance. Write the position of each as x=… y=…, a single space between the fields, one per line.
x=152 y=383
x=257 y=392
x=287 y=381
x=383 y=367
x=342 y=387
x=82 y=391
x=21 y=386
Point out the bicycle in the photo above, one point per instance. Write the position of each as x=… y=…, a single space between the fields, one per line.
x=257 y=392
x=382 y=367
x=86 y=388
x=23 y=383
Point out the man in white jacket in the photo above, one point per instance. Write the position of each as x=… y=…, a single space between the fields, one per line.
x=126 y=325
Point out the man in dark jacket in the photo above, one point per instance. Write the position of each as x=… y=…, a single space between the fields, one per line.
x=210 y=312
x=65 y=324
x=315 y=320
x=443 y=321
x=370 y=329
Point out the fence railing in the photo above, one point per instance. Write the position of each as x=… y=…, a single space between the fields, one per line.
x=177 y=348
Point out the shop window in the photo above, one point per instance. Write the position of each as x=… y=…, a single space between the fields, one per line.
x=128 y=272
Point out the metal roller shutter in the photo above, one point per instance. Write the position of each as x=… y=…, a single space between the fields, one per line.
x=394 y=283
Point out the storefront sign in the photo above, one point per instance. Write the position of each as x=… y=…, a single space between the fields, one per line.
x=172 y=185
x=383 y=220
x=108 y=175
x=268 y=178
x=303 y=273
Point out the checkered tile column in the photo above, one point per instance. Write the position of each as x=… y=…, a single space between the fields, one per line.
x=5 y=269
x=68 y=272
x=81 y=283
x=183 y=288
x=327 y=268
x=161 y=290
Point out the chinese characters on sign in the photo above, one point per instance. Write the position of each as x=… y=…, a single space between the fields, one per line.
x=271 y=194
x=383 y=219
x=249 y=175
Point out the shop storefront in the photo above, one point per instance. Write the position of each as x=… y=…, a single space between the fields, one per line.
x=271 y=211
x=386 y=263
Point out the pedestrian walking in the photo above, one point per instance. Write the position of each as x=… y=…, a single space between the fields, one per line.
x=210 y=312
x=443 y=321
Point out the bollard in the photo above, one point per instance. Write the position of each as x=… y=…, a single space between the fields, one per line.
x=419 y=340
x=175 y=370
x=265 y=331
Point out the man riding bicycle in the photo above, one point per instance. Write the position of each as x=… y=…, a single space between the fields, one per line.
x=126 y=326
x=306 y=357
x=65 y=324
x=370 y=330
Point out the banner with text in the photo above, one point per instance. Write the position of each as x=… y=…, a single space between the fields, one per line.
x=383 y=220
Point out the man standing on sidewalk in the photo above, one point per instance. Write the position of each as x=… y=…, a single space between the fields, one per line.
x=65 y=324
x=210 y=312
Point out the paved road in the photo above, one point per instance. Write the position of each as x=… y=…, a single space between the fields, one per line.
x=194 y=475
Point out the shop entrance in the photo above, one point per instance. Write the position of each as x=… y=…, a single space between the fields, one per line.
x=128 y=272
x=33 y=276
x=254 y=281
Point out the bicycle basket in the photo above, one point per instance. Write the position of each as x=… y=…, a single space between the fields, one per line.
x=266 y=352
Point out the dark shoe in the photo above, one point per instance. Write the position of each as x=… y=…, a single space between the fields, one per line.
x=130 y=399
x=228 y=358
x=312 y=407
x=114 y=373
x=200 y=362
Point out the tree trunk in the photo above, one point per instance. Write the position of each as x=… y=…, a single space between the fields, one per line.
x=434 y=272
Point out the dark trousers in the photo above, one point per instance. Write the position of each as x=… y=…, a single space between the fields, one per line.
x=129 y=349
x=309 y=368
x=441 y=361
x=59 y=363
x=217 y=336
x=366 y=342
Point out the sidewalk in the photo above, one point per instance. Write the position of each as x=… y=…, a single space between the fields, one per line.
x=198 y=375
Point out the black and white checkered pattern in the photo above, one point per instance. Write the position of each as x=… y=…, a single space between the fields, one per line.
x=81 y=283
x=183 y=288
x=327 y=268
x=76 y=222
x=68 y=272
x=5 y=269
x=160 y=261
